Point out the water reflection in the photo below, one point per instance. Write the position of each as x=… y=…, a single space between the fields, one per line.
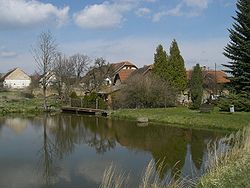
x=47 y=155
x=64 y=151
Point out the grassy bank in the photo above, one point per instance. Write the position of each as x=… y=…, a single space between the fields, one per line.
x=184 y=117
x=12 y=102
x=231 y=168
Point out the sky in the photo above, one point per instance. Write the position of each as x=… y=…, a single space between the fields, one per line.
x=116 y=30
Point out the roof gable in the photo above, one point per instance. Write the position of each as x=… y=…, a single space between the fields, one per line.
x=117 y=67
x=16 y=74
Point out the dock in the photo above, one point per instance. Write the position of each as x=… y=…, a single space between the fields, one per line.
x=78 y=110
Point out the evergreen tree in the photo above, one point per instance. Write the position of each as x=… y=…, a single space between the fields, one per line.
x=196 y=86
x=161 y=63
x=176 y=70
x=238 y=49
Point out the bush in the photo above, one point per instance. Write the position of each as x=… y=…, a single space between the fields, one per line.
x=73 y=95
x=142 y=91
x=240 y=101
x=90 y=101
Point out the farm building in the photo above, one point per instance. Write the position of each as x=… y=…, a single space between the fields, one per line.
x=15 y=79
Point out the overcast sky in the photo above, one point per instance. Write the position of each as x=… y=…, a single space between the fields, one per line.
x=116 y=30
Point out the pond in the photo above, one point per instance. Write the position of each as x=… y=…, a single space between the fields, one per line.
x=73 y=151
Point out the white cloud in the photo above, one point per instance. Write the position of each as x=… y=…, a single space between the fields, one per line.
x=105 y=15
x=188 y=8
x=177 y=11
x=143 y=12
x=150 y=1
x=21 y=13
x=5 y=53
x=202 y=4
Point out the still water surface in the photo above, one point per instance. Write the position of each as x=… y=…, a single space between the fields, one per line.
x=73 y=151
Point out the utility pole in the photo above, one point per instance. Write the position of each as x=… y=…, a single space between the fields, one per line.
x=215 y=78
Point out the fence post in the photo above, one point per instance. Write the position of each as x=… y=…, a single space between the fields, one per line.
x=81 y=103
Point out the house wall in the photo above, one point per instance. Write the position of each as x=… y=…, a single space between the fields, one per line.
x=16 y=84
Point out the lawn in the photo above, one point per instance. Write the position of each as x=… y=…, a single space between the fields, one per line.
x=184 y=117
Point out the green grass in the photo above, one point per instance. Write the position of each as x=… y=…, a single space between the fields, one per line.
x=184 y=117
x=12 y=102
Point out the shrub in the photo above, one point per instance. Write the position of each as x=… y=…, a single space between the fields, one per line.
x=73 y=95
x=90 y=101
x=240 y=101
x=142 y=91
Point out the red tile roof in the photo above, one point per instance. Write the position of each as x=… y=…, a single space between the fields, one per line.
x=221 y=77
x=125 y=73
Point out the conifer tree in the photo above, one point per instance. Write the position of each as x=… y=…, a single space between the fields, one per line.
x=196 y=88
x=161 y=63
x=176 y=70
x=238 y=49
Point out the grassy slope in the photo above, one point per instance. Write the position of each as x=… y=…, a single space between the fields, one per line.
x=15 y=102
x=185 y=117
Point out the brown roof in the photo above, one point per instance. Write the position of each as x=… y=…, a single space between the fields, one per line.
x=144 y=70
x=118 y=66
x=221 y=76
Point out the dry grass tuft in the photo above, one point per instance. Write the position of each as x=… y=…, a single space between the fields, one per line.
x=228 y=161
x=150 y=178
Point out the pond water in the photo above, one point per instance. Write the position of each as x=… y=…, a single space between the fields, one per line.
x=73 y=151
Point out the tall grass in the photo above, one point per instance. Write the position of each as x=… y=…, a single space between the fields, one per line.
x=149 y=179
x=228 y=165
x=228 y=162
x=113 y=179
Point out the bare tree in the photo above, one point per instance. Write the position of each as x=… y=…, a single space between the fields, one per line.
x=80 y=63
x=64 y=73
x=44 y=54
x=95 y=78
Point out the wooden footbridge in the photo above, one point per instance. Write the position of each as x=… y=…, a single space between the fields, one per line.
x=77 y=106
x=78 y=110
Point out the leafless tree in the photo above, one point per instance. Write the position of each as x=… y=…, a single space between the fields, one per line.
x=64 y=74
x=80 y=63
x=44 y=54
x=95 y=78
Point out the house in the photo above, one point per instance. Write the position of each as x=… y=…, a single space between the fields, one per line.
x=145 y=70
x=15 y=79
x=49 y=78
x=121 y=71
x=213 y=83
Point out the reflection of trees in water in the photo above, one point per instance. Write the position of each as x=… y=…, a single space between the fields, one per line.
x=47 y=156
x=177 y=148
x=100 y=136
x=72 y=130
x=60 y=136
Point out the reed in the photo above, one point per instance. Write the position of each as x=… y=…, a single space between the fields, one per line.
x=228 y=162
x=149 y=179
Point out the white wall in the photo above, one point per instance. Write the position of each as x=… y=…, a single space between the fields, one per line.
x=16 y=84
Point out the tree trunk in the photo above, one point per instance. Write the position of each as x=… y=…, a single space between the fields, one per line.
x=45 y=106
